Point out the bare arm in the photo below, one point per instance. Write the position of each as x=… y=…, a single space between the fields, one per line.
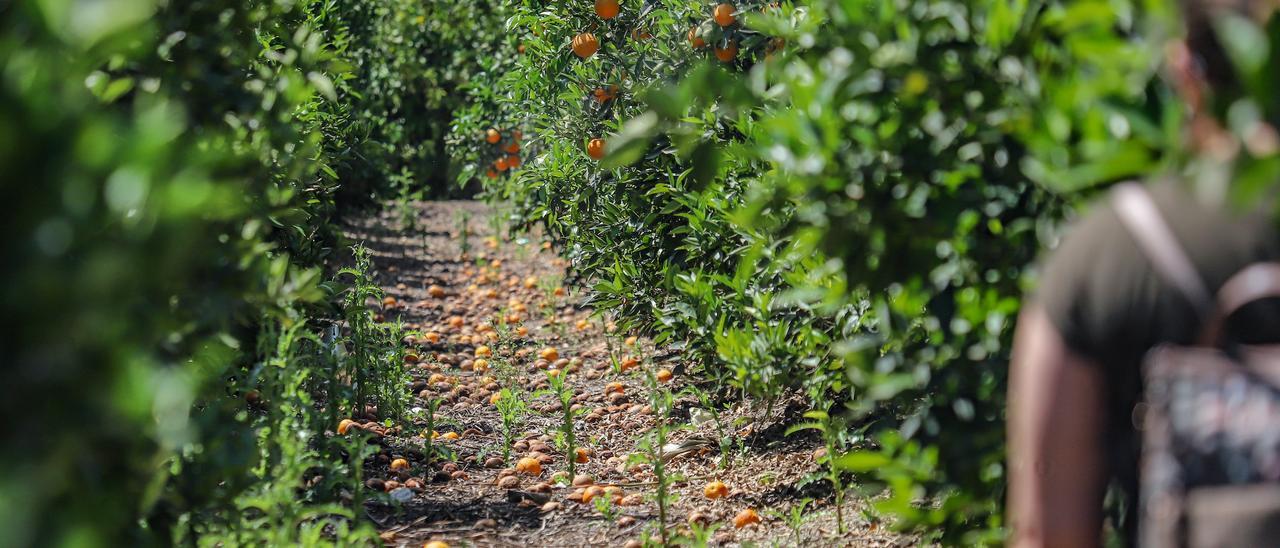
x=1057 y=468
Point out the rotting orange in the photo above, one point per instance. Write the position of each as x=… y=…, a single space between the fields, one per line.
x=724 y=15
x=550 y=354
x=483 y=351
x=530 y=466
x=399 y=464
x=745 y=518
x=715 y=489
x=595 y=148
x=435 y=291
x=664 y=375
x=607 y=9
x=585 y=45
x=344 y=426
x=581 y=455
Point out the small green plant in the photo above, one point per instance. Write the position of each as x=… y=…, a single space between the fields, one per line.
x=835 y=438
x=795 y=518
x=429 y=434
x=512 y=409
x=375 y=353
x=699 y=535
x=565 y=439
x=708 y=411
x=464 y=232
x=604 y=505
x=650 y=448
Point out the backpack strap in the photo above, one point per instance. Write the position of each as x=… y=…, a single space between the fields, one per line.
x=1256 y=282
x=1139 y=214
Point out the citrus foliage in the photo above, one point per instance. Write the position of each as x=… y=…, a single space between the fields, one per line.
x=837 y=197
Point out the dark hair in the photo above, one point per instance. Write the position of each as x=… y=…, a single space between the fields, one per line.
x=1202 y=39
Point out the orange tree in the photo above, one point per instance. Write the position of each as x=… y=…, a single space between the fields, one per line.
x=654 y=237
x=910 y=143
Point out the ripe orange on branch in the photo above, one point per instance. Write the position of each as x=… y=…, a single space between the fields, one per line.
x=492 y=136
x=607 y=9
x=595 y=148
x=585 y=45
x=728 y=52
x=724 y=15
x=501 y=164
x=695 y=40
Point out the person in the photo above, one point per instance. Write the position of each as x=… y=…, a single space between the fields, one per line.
x=1075 y=376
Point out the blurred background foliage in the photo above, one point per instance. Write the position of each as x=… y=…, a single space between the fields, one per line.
x=176 y=171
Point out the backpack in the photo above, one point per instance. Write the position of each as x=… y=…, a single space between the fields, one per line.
x=1210 y=415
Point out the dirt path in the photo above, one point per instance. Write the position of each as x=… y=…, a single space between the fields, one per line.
x=458 y=500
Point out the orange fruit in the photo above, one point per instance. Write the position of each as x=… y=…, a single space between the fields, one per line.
x=715 y=489
x=695 y=40
x=614 y=387
x=745 y=518
x=581 y=455
x=388 y=301
x=513 y=148
x=628 y=363
x=494 y=399
x=436 y=544
x=513 y=161
x=501 y=163
x=432 y=337
x=724 y=15
x=607 y=9
x=344 y=426
x=522 y=331
x=435 y=291
x=530 y=466
x=550 y=354
x=595 y=148
x=491 y=173
x=585 y=45
x=664 y=375
x=492 y=136
x=456 y=321
x=728 y=52
x=631 y=341
x=399 y=464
